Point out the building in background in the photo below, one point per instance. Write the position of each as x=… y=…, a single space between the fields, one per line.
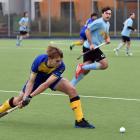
x=63 y=17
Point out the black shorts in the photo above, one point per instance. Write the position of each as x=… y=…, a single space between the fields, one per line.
x=23 y=32
x=125 y=39
x=94 y=55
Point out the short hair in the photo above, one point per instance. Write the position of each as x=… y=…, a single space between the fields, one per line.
x=106 y=9
x=93 y=14
x=132 y=13
x=24 y=14
x=54 y=52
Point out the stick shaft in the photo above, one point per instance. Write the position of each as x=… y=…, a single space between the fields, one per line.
x=8 y=111
x=91 y=50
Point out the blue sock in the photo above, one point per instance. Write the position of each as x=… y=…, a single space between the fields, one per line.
x=74 y=81
x=93 y=66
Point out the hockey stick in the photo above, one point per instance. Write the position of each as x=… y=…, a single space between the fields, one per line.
x=8 y=111
x=91 y=50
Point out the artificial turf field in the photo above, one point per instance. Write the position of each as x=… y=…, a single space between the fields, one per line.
x=110 y=98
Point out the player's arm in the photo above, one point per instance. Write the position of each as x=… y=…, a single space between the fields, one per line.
x=131 y=28
x=44 y=85
x=107 y=38
x=88 y=35
x=30 y=84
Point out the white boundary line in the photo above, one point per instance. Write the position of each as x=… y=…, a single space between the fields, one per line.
x=83 y=96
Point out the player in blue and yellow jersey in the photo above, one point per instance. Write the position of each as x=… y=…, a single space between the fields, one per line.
x=82 y=31
x=97 y=32
x=127 y=29
x=23 y=28
x=46 y=71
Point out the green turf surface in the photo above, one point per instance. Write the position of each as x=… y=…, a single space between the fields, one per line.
x=50 y=118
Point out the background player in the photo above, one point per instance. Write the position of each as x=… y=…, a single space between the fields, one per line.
x=127 y=29
x=82 y=32
x=23 y=28
x=97 y=32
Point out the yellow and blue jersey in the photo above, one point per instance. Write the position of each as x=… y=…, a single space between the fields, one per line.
x=83 y=29
x=39 y=66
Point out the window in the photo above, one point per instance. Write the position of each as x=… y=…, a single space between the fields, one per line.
x=1 y=11
x=37 y=9
x=65 y=9
x=95 y=6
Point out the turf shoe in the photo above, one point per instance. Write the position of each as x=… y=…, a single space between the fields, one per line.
x=116 y=51
x=71 y=47
x=83 y=124
x=79 y=70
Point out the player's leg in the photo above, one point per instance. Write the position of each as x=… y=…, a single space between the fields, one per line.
x=121 y=44
x=98 y=62
x=128 y=52
x=81 y=41
x=79 y=75
x=65 y=86
x=20 y=38
x=76 y=43
x=10 y=103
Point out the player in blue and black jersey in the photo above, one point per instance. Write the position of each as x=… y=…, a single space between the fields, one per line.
x=97 y=32
x=46 y=72
x=23 y=28
x=82 y=31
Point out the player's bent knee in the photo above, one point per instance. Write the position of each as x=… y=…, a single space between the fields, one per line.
x=105 y=66
x=72 y=91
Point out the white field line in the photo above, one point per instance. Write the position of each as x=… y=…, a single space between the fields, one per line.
x=83 y=96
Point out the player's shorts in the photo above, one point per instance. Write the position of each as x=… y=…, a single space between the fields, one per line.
x=23 y=32
x=125 y=39
x=39 y=81
x=83 y=34
x=94 y=55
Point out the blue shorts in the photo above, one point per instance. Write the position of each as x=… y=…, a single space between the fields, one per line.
x=38 y=82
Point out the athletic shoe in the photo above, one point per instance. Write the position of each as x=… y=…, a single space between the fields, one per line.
x=79 y=70
x=128 y=54
x=116 y=52
x=83 y=124
x=71 y=47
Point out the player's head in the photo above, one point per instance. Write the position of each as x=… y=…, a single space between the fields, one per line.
x=25 y=14
x=55 y=56
x=132 y=15
x=93 y=16
x=106 y=13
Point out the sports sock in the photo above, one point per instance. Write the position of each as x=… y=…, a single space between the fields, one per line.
x=74 y=81
x=77 y=43
x=75 y=104
x=127 y=50
x=119 y=46
x=93 y=66
x=7 y=105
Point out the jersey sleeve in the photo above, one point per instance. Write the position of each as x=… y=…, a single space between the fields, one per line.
x=94 y=26
x=129 y=23
x=58 y=72
x=35 y=65
x=21 y=20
